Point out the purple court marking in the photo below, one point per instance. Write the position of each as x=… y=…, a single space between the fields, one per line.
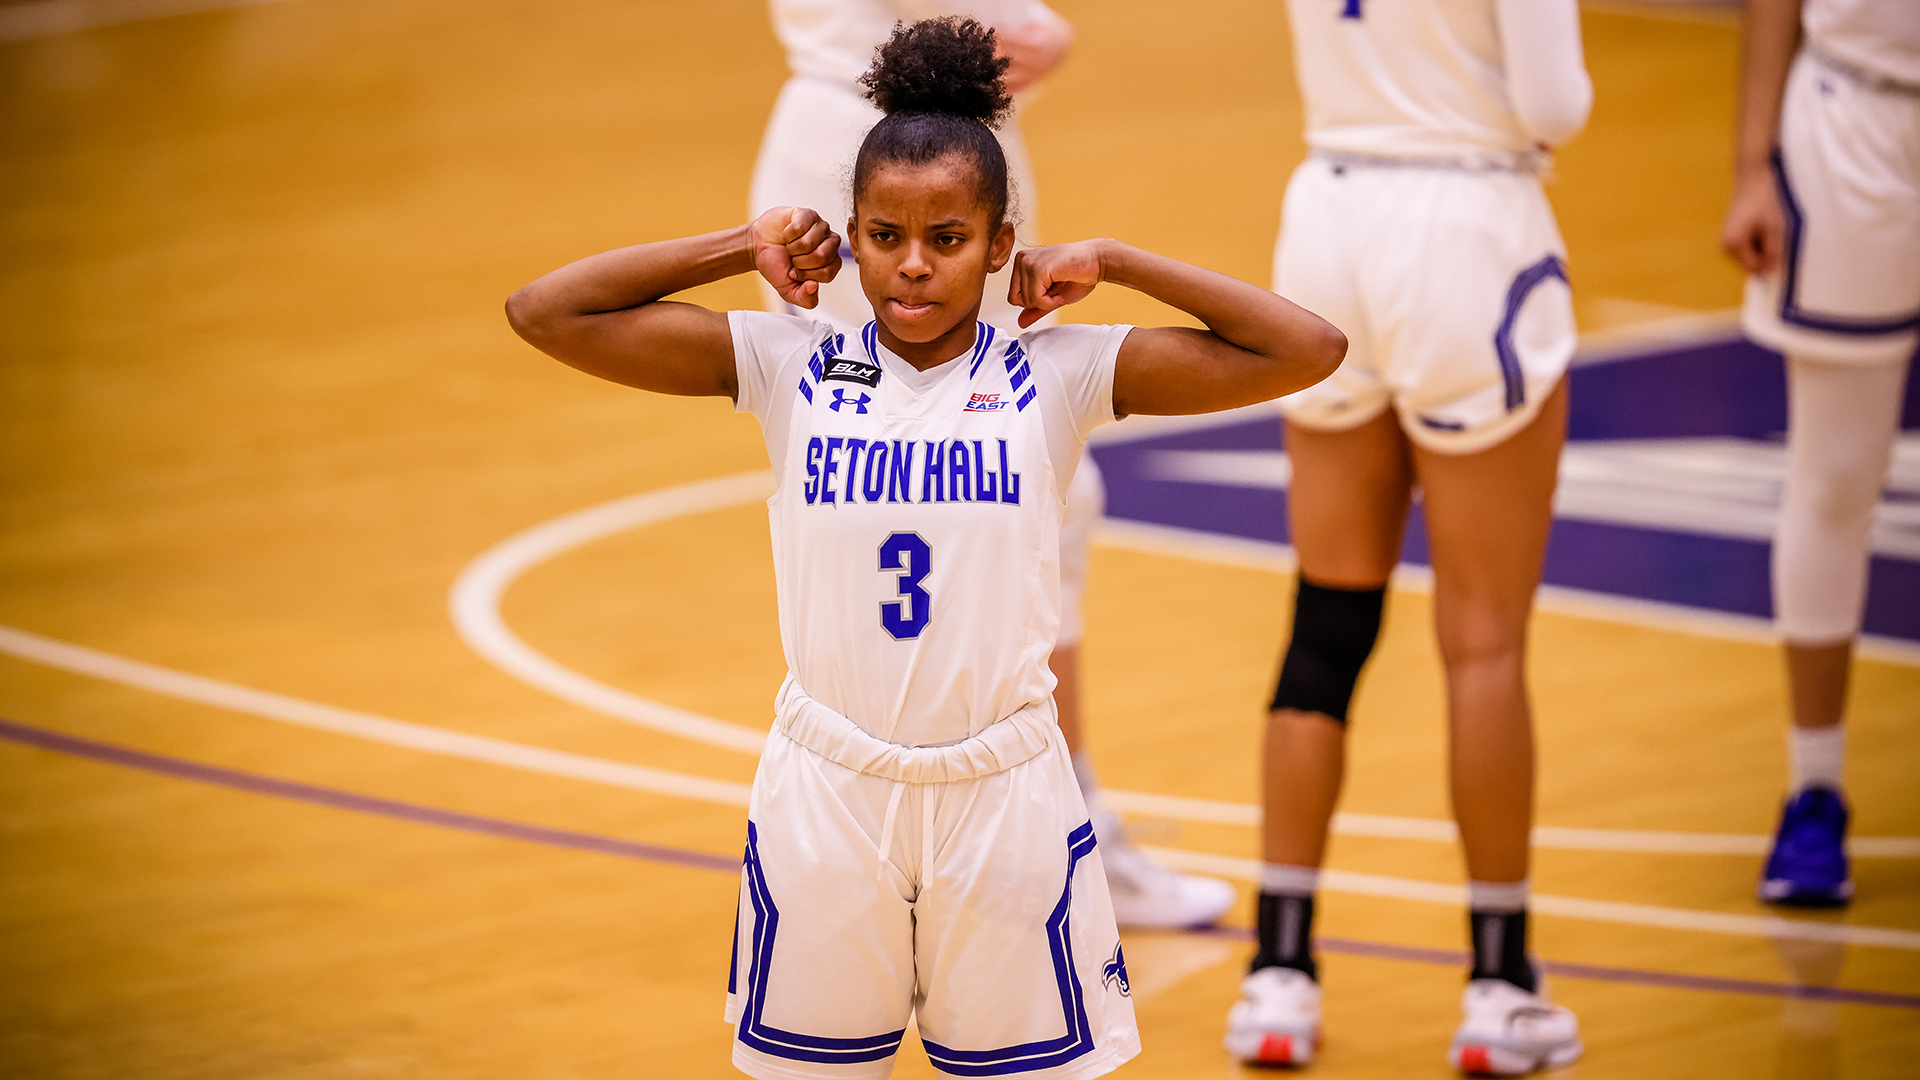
x=1732 y=389
x=1671 y=980
x=366 y=804
x=628 y=849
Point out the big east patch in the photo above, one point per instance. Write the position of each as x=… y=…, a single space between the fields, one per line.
x=853 y=371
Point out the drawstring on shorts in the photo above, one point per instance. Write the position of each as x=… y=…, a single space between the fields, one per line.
x=886 y=829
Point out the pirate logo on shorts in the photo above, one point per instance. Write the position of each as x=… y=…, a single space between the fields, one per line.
x=1115 y=972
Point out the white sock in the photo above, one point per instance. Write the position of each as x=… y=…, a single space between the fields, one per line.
x=1282 y=879
x=1815 y=757
x=1498 y=897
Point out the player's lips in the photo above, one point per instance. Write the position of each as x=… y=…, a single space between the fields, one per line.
x=909 y=309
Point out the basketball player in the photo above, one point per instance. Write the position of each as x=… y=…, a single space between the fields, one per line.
x=1418 y=226
x=917 y=844
x=1825 y=216
x=817 y=124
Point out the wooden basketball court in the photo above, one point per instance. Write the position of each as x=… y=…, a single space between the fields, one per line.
x=334 y=746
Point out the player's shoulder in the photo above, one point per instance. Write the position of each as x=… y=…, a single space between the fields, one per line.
x=777 y=334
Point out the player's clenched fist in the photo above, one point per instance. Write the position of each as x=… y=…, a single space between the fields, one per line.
x=1046 y=279
x=795 y=250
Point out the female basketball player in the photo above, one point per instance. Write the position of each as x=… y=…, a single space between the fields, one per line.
x=817 y=126
x=916 y=841
x=1827 y=130
x=1418 y=226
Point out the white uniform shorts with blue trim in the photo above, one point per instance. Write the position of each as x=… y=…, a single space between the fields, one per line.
x=976 y=905
x=1848 y=171
x=1451 y=286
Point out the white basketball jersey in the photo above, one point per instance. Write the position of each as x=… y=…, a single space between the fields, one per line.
x=916 y=515
x=835 y=39
x=1403 y=78
x=1881 y=36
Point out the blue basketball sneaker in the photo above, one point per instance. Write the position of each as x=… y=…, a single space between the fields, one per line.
x=1808 y=866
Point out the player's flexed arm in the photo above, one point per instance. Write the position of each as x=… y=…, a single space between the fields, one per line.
x=1257 y=345
x=605 y=314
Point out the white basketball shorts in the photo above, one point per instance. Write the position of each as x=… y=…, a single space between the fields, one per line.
x=1848 y=171
x=1450 y=285
x=1086 y=502
x=806 y=159
x=976 y=906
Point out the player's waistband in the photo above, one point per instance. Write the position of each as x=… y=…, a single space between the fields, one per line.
x=1859 y=76
x=1018 y=738
x=1522 y=162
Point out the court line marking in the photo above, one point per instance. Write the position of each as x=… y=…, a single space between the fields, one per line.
x=365 y=804
x=1568 y=907
x=80 y=660
x=475 y=599
x=474 y=603
x=52 y=18
x=334 y=798
x=246 y=700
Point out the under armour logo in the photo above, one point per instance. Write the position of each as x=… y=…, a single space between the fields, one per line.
x=840 y=398
x=1115 y=972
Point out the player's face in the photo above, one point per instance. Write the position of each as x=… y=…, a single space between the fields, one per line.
x=925 y=246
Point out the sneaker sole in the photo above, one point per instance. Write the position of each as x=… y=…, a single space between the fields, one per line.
x=1274 y=1048
x=1483 y=1059
x=1781 y=891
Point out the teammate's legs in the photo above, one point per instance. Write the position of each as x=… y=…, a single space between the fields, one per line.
x=1842 y=421
x=1488 y=514
x=1487 y=520
x=1347 y=504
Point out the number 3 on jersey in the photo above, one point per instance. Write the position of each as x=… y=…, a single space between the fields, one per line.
x=909 y=554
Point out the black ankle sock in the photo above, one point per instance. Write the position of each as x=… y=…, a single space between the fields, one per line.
x=1286 y=934
x=1500 y=947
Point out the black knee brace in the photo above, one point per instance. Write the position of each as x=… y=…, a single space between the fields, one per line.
x=1333 y=634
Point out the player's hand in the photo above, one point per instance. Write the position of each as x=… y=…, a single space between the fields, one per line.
x=1046 y=279
x=795 y=250
x=1032 y=48
x=1756 y=230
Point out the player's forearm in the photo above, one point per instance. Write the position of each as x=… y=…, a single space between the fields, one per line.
x=1303 y=346
x=1770 y=35
x=625 y=278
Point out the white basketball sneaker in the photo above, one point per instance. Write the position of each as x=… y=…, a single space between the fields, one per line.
x=1277 y=1019
x=1509 y=1032
x=1148 y=896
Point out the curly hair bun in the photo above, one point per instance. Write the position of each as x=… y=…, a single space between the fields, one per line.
x=944 y=65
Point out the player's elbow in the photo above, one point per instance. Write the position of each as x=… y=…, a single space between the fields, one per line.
x=529 y=315
x=1321 y=355
x=1553 y=115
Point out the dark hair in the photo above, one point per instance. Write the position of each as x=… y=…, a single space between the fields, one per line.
x=939 y=83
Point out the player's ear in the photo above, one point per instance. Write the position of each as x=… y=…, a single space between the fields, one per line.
x=853 y=235
x=1001 y=249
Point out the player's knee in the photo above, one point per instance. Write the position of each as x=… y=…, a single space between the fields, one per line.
x=1333 y=634
x=1481 y=636
x=1839 y=495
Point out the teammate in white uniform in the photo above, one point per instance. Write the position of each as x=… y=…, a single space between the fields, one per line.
x=806 y=159
x=1418 y=226
x=1826 y=217
x=917 y=845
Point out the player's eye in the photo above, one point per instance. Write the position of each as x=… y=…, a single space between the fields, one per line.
x=949 y=239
